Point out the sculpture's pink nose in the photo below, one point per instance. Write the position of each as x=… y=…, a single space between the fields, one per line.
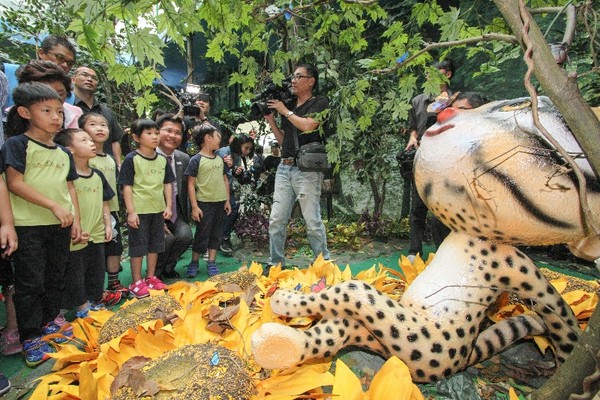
x=446 y=115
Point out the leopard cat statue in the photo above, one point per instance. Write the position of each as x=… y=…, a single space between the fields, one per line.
x=492 y=178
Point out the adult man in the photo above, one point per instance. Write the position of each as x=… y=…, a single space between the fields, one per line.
x=178 y=234
x=422 y=115
x=291 y=184
x=203 y=102
x=85 y=82
x=57 y=49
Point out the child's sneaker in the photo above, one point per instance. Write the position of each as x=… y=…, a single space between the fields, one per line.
x=212 y=269
x=60 y=326
x=83 y=313
x=36 y=351
x=97 y=305
x=10 y=342
x=192 y=270
x=117 y=287
x=155 y=284
x=4 y=384
x=139 y=289
x=110 y=297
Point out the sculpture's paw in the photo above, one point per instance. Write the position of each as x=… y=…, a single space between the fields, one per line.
x=277 y=346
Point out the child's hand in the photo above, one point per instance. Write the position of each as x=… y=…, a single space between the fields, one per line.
x=228 y=160
x=197 y=214
x=83 y=238
x=108 y=232
x=8 y=239
x=76 y=233
x=227 y=207
x=133 y=221
x=64 y=217
x=167 y=213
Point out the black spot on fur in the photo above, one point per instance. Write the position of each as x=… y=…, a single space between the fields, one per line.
x=447 y=372
x=484 y=252
x=425 y=332
x=572 y=336
x=527 y=286
x=400 y=317
x=330 y=342
x=334 y=313
x=415 y=355
x=380 y=315
x=566 y=347
x=500 y=336
x=505 y=280
x=464 y=351
x=487 y=277
x=337 y=290
x=317 y=330
x=495 y=264
x=369 y=318
x=322 y=307
x=371 y=299
x=346 y=298
x=328 y=330
x=315 y=351
x=352 y=286
x=433 y=378
x=524 y=270
x=420 y=373
x=327 y=354
x=413 y=337
x=324 y=296
x=348 y=311
x=436 y=348
x=394 y=332
x=509 y=261
x=434 y=363
x=396 y=348
x=452 y=352
x=378 y=333
x=390 y=303
x=446 y=335
x=460 y=332
x=357 y=339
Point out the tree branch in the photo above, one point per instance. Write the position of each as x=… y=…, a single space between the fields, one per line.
x=488 y=37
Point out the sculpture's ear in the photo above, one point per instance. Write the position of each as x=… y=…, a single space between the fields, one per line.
x=587 y=248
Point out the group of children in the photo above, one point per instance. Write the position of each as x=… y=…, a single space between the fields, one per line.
x=60 y=202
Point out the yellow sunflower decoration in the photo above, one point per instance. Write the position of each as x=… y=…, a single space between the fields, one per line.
x=194 y=343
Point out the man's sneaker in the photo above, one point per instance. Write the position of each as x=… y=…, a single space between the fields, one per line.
x=155 y=284
x=139 y=289
x=226 y=247
x=36 y=351
x=60 y=326
x=192 y=270
x=4 y=384
x=212 y=269
x=10 y=342
x=111 y=297
x=205 y=256
x=117 y=287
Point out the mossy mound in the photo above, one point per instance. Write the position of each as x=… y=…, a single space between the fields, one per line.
x=193 y=372
x=244 y=279
x=136 y=313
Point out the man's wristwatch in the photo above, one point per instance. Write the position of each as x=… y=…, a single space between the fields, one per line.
x=289 y=114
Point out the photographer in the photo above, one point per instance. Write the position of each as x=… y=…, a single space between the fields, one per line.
x=234 y=156
x=291 y=184
x=198 y=113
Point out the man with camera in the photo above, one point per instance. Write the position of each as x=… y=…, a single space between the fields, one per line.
x=298 y=127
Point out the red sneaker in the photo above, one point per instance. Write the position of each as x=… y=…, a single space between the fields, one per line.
x=117 y=287
x=155 y=284
x=110 y=298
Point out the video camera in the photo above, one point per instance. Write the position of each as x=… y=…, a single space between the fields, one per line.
x=188 y=98
x=272 y=91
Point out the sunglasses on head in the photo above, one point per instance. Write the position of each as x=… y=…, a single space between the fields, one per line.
x=203 y=97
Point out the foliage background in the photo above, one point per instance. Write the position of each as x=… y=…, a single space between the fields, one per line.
x=237 y=46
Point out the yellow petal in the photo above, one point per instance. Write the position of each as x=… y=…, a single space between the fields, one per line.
x=88 y=385
x=289 y=386
x=512 y=395
x=560 y=284
x=393 y=382
x=346 y=384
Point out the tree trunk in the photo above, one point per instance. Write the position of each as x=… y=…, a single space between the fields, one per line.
x=565 y=95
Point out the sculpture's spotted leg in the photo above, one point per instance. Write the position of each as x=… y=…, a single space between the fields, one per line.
x=502 y=334
x=294 y=346
x=515 y=272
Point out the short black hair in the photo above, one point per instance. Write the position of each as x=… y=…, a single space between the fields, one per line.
x=45 y=72
x=169 y=117
x=476 y=99
x=200 y=131
x=446 y=64
x=312 y=71
x=85 y=116
x=65 y=136
x=140 y=125
x=52 y=41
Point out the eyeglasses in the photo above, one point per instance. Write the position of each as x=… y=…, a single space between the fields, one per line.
x=171 y=131
x=298 y=76
x=203 y=97
x=61 y=58
x=86 y=75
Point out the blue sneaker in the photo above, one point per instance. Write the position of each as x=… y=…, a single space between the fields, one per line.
x=61 y=326
x=4 y=384
x=192 y=270
x=36 y=351
x=212 y=269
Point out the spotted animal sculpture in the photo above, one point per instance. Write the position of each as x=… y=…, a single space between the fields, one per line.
x=491 y=177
